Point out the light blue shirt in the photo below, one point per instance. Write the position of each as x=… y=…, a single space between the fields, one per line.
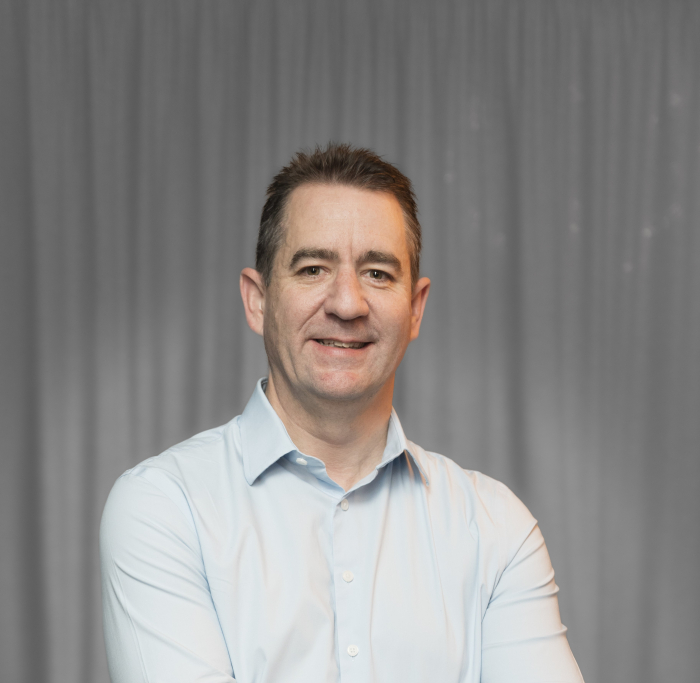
x=233 y=556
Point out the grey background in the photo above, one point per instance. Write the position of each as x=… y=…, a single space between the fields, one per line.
x=555 y=149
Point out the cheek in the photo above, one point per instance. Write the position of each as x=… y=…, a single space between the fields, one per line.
x=297 y=306
x=292 y=310
x=273 y=325
x=270 y=336
x=395 y=320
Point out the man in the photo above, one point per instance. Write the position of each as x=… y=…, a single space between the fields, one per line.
x=307 y=539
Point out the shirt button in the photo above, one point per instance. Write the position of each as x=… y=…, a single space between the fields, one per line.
x=344 y=505
x=348 y=576
x=301 y=461
x=353 y=650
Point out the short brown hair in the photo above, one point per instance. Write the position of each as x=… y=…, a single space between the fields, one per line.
x=337 y=164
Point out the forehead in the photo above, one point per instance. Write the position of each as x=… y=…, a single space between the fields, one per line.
x=321 y=215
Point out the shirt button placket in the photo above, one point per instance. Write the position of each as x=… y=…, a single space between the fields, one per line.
x=349 y=608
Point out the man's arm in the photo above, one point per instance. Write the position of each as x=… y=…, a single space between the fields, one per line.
x=523 y=638
x=160 y=623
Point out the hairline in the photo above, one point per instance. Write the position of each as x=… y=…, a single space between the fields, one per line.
x=341 y=183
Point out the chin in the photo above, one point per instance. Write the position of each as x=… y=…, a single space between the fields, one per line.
x=341 y=387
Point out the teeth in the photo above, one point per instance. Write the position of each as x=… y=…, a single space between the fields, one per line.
x=342 y=345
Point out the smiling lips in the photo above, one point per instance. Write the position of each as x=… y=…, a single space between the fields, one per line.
x=341 y=344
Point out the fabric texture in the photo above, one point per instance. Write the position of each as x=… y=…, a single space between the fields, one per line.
x=555 y=150
x=235 y=555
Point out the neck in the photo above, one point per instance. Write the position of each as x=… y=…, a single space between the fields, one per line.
x=348 y=436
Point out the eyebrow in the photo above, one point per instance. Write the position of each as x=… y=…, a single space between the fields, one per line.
x=371 y=256
x=312 y=253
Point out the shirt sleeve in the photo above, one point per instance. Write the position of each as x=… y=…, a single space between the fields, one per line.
x=160 y=623
x=523 y=638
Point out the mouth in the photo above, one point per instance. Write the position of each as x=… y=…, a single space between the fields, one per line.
x=341 y=344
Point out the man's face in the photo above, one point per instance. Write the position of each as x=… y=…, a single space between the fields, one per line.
x=340 y=311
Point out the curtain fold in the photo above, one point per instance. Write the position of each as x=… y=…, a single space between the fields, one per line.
x=555 y=150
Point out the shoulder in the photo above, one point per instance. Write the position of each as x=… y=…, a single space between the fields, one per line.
x=490 y=509
x=175 y=482
x=190 y=460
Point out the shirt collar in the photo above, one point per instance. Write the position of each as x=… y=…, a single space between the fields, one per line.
x=264 y=438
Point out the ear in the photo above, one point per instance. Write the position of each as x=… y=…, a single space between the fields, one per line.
x=253 y=295
x=420 y=296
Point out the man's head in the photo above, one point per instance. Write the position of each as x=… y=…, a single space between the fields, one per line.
x=337 y=164
x=334 y=294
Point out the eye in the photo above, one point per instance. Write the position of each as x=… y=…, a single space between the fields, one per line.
x=377 y=275
x=311 y=270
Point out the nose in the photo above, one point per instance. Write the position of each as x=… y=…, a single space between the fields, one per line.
x=345 y=298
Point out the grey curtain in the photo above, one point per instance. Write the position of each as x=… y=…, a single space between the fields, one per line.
x=555 y=149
